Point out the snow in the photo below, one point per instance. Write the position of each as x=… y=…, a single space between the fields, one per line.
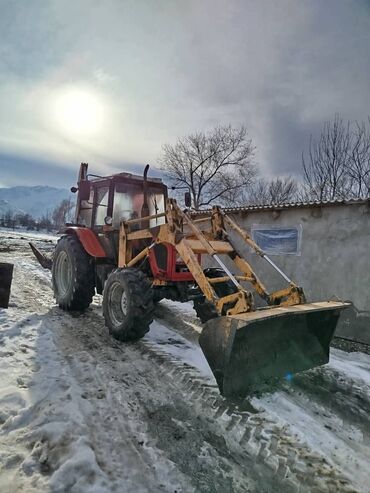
x=184 y=309
x=355 y=365
x=41 y=406
x=32 y=235
x=80 y=412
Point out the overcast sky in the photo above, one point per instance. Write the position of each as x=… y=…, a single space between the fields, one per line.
x=110 y=81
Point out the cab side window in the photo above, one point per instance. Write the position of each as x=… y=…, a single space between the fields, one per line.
x=86 y=209
x=101 y=198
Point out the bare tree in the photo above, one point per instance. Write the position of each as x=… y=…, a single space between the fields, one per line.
x=9 y=221
x=359 y=160
x=325 y=172
x=282 y=190
x=276 y=191
x=61 y=213
x=45 y=222
x=25 y=220
x=338 y=163
x=335 y=167
x=214 y=166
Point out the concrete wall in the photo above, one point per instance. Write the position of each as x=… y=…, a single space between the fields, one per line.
x=334 y=260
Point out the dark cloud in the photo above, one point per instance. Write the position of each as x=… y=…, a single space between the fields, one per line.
x=18 y=170
x=288 y=136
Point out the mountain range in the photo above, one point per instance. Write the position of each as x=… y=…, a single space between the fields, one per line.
x=36 y=200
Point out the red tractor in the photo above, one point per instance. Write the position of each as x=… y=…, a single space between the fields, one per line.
x=135 y=246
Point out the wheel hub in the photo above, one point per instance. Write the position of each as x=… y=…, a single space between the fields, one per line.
x=64 y=273
x=118 y=304
x=124 y=303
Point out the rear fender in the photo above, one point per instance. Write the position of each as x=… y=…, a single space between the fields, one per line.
x=89 y=241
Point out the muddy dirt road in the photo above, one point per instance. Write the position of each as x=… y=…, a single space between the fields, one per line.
x=80 y=412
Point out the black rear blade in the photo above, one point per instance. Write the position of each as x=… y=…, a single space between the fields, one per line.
x=44 y=261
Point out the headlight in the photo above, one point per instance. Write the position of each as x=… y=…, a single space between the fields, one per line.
x=108 y=220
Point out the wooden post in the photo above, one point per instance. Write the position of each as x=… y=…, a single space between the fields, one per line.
x=6 y=275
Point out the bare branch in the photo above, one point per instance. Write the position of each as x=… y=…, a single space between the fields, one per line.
x=274 y=192
x=213 y=165
x=338 y=163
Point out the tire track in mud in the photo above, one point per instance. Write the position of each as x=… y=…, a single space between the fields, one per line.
x=140 y=389
x=323 y=392
x=86 y=335
x=342 y=395
x=265 y=449
x=112 y=432
x=127 y=454
x=260 y=442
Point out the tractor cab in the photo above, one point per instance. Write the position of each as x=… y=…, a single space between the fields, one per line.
x=109 y=200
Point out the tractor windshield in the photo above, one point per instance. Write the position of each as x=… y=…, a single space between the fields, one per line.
x=128 y=201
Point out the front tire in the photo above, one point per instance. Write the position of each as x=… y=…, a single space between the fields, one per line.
x=72 y=275
x=128 y=304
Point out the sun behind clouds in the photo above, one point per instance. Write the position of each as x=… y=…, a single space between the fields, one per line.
x=79 y=111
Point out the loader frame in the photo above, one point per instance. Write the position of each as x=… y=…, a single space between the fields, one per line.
x=182 y=233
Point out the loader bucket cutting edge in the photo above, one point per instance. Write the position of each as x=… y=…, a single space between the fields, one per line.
x=249 y=350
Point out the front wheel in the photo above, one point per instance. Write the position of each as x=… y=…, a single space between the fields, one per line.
x=128 y=304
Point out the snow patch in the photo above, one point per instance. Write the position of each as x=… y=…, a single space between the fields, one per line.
x=42 y=411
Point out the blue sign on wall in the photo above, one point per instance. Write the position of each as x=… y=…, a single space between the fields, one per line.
x=278 y=240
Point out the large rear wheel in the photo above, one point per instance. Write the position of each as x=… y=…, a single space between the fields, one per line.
x=128 y=304
x=72 y=275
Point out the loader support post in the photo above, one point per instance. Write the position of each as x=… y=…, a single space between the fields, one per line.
x=226 y=270
x=208 y=247
x=243 y=265
x=125 y=247
x=192 y=263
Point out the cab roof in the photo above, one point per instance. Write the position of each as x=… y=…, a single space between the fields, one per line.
x=126 y=176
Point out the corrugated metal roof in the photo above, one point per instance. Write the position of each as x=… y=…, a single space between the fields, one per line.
x=288 y=205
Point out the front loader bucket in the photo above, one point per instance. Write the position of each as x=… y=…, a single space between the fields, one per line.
x=249 y=350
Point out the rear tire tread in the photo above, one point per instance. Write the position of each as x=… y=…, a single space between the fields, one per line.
x=83 y=290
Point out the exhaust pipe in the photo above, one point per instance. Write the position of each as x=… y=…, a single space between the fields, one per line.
x=145 y=206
